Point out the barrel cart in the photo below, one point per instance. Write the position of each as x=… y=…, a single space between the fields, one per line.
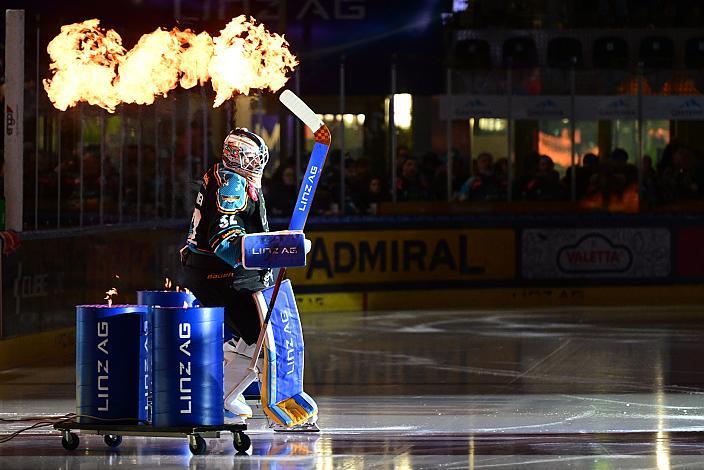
x=113 y=433
x=152 y=371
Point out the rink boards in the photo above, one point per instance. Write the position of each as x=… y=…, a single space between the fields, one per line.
x=385 y=263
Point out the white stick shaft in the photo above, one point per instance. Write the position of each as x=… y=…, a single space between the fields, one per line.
x=301 y=110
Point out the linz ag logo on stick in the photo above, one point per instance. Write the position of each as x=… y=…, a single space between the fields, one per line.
x=307 y=189
x=10 y=123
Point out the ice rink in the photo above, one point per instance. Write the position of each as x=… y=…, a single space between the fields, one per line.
x=579 y=388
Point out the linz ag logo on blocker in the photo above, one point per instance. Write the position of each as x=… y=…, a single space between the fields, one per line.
x=10 y=122
x=275 y=250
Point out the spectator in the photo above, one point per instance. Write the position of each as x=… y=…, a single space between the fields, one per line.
x=281 y=195
x=430 y=164
x=485 y=185
x=619 y=159
x=623 y=176
x=357 y=186
x=501 y=171
x=649 y=182
x=363 y=172
x=590 y=165
x=369 y=202
x=460 y=172
x=526 y=172
x=679 y=178
x=411 y=185
x=614 y=179
x=545 y=186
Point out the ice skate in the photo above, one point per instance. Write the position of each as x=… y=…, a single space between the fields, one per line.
x=237 y=411
x=310 y=426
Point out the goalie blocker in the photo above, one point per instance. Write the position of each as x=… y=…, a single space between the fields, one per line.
x=284 y=249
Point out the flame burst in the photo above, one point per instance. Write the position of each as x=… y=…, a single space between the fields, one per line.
x=90 y=64
x=109 y=295
x=167 y=284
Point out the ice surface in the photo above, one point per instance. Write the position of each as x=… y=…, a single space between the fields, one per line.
x=460 y=389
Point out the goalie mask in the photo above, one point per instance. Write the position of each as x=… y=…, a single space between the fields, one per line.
x=245 y=153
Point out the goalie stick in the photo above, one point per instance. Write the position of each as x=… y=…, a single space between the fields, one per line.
x=305 y=193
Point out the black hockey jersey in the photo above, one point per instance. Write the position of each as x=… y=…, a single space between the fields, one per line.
x=226 y=209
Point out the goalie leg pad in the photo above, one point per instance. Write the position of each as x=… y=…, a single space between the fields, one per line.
x=283 y=398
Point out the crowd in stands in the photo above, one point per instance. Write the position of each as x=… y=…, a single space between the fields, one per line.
x=609 y=182
x=601 y=182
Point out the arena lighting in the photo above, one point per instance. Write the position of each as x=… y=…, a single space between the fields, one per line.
x=492 y=124
x=459 y=5
x=360 y=119
x=403 y=105
x=349 y=119
x=329 y=118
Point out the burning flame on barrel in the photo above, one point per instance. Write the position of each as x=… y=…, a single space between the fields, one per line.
x=109 y=295
x=167 y=284
x=90 y=64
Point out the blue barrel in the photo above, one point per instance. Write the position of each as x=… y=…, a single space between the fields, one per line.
x=111 y=363
x=161 y=298
x=188 y=369
x=166 y=298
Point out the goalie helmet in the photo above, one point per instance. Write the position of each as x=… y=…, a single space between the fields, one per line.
x=245 y=152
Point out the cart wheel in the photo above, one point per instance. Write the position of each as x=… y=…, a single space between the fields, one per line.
x=70 y=441
x=241 y=441
x=197 y=445
x=112 y=440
